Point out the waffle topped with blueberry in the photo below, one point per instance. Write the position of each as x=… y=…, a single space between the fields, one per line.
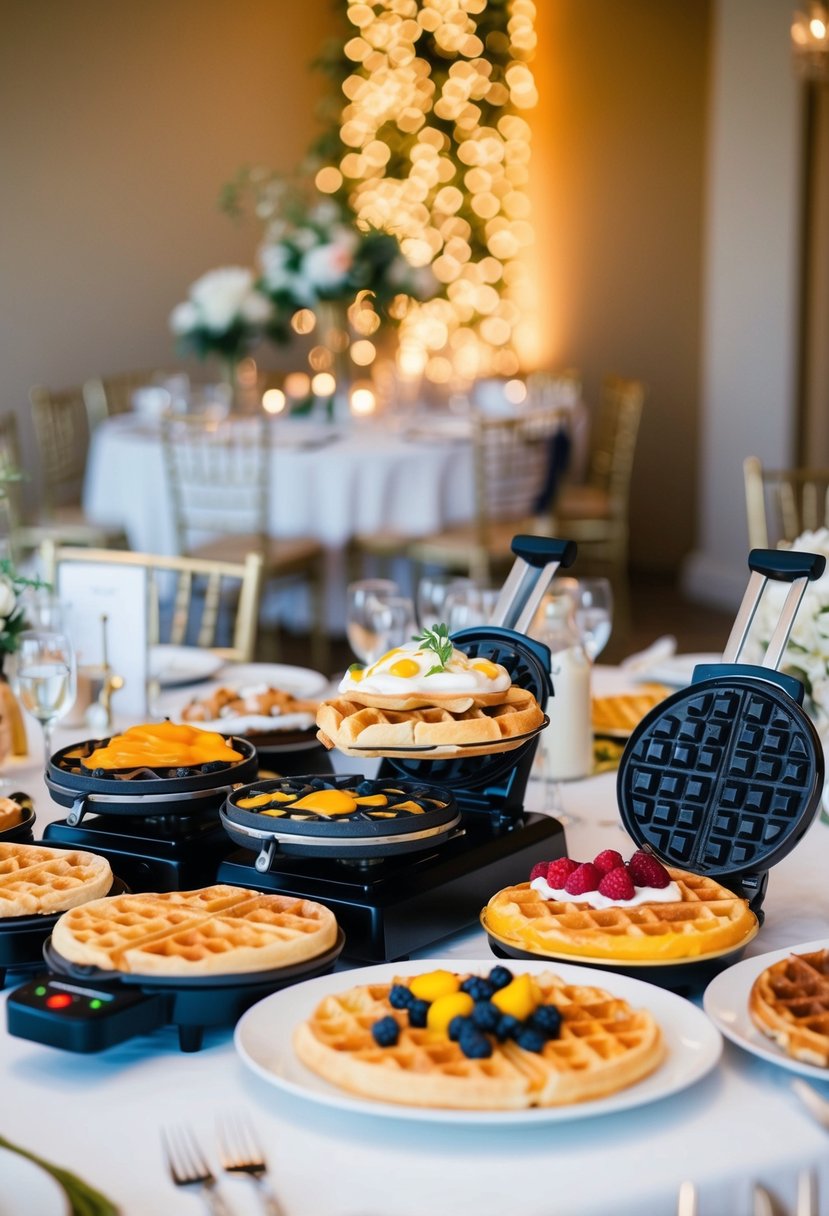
x=497 y=1041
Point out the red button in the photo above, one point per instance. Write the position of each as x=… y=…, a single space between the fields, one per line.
x=59 y=1001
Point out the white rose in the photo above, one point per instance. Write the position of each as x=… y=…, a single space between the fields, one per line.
x=256 y=308
x=184 y=317
x=327 y=267
x=8 y=599
x=219 y=296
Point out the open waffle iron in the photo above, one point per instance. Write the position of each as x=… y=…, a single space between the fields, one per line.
x=158 y=827
x=399 y=880
x=724 y=777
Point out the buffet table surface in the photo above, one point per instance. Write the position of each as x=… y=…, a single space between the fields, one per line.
x=101 y=1115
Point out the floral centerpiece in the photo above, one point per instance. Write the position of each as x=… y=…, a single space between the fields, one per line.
x=806 y=656
x=224 y=314
x=13 y=619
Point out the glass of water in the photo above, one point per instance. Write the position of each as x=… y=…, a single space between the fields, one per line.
x=44 y=678
x=364 y=619
x=594 y=614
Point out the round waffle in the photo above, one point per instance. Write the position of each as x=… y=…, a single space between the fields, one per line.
x=217 y=930
x=604 y=1045
x=789 y=1002
x=39 y=881
x=367 y=730
x=708 y=919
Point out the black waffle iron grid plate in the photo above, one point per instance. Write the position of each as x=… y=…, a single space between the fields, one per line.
x=724 y=777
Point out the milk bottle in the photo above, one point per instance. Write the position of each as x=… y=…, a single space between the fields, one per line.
x=568 y=740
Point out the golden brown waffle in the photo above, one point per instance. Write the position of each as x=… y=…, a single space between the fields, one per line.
x=789 y=1002
x=213 y=931
x=454 y=702
x=604 y=1046
x=707 y=919
x=345 y=724
x=620 y=714
x=35 y=880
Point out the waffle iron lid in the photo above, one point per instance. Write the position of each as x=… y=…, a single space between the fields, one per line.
x=723 y=777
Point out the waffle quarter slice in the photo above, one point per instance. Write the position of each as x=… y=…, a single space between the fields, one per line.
x=707 y=919
x=35 y=880
x=604 y=1046
x=789 y=1002
x=212 y=931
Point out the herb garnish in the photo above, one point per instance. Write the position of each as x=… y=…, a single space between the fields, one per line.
x=436 y=639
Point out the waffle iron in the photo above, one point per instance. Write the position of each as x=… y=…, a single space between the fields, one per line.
x=159 y=828
x=87 y=1009
x=392 y=893
x=724 y=777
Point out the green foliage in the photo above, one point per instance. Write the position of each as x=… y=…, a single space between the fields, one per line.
x=436 y=639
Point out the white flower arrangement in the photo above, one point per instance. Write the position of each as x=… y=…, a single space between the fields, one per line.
x=807 y=653
x=224 y=313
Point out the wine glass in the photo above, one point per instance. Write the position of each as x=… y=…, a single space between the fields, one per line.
x=467 y=605
x=393 y=620
x=433 y=591
x=364 y=599
x=594 y=614
x=44 y=678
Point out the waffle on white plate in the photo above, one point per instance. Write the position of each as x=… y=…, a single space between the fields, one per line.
x=363 y=1041
x=35 y=880
x=619 y=714
x=789 y=1002
x=212 y=931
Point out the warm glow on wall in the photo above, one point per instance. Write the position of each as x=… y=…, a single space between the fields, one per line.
x=435 y=148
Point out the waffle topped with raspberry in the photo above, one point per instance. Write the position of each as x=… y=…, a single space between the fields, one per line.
x=496 y=1042
x=789 y=1002
x=634 y=911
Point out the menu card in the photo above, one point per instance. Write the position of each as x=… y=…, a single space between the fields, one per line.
x=92 y=591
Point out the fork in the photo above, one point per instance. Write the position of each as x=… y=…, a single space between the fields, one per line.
x=188 y=1167
x=240 y=1154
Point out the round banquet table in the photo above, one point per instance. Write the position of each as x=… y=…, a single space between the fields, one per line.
x=100 y=1115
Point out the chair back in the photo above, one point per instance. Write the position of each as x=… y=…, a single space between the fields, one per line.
x=196 y=588
x=512 y=460
x=62 y=429
x=217 y=472
x=10 y=472
x=613 y=441
x=782 y=503
x=557 y=389
x=106 y=396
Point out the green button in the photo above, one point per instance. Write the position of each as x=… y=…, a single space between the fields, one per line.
x=96 y=1004
x=40 y=991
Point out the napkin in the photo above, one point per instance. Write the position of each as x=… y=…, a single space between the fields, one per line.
x=84 y=1200
x=663 y=648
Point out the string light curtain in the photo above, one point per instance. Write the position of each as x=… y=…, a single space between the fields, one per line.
x=432 y=144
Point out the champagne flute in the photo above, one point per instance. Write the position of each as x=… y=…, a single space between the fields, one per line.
x=44 y=678
x=363 y=602
x=594 y=614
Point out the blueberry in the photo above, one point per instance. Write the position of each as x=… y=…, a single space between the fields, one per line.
x=478 y=988
x=385 y=1032
x=400 y=996
x=546 y=1020
x=507 y=1027
x=499 y=977
x=456 y=1027
x=474 y=1044
x=181 y=772
x=99 y=772
x=365 y=787
x=530 y=1039
x=417 y=1013
x=486 y=1016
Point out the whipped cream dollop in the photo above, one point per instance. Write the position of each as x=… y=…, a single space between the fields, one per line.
x=644 y=895
x=406 y=669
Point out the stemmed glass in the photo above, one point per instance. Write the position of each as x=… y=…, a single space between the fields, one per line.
x=433 y=592
x=377 y=617
x=44 y=678
x=594 y=614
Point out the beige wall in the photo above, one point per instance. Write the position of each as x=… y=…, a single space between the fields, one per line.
x=119 y=123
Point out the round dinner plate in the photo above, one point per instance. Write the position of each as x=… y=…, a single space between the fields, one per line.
x=174 y=666
x=677 y=671
x=28 y=1189
x=301 y=681
x=263 y=1041
x=725 y=1000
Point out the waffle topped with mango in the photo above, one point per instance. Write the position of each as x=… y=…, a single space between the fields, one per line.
x=428 y=696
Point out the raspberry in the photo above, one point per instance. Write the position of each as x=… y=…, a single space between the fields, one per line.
x=607 y=861
x=584 y=878
x=646 y=871
x=618 y=884
x=559 y=871
x=539 y=870
x=385 y=1032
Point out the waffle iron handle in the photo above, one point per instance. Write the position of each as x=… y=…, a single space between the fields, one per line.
x=782 y=565
x=538 y=558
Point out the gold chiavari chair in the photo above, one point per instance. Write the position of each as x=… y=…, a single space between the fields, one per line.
x=782 y=503
x=218 y=474
x=196 y=588
x=105 y=396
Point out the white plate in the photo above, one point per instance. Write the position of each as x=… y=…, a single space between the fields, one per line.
x=174 y=666
x=301 y=681
x=677 y=671
x=263 y=1040
x=726 y=1002
x=27 y=1189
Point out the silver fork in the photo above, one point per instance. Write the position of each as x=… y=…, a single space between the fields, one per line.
x=188 y=1167
x=240 y=1154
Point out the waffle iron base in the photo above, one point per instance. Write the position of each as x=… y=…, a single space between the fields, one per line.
x=392 y=906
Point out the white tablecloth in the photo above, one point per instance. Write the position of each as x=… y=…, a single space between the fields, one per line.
x=100 y=1115
x=327 y=481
